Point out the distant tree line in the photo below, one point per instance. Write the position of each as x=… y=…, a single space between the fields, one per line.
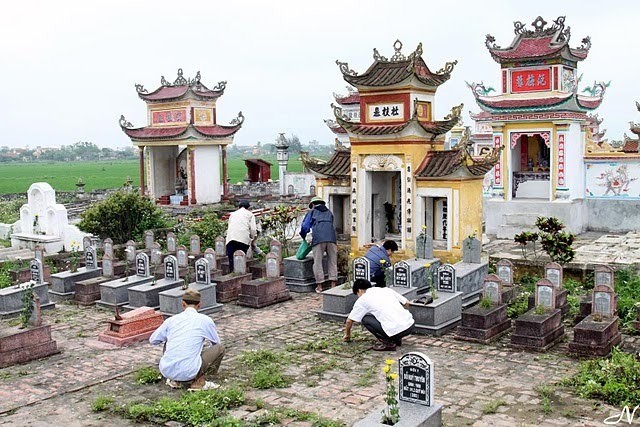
x=295 y=146
x=80 y=151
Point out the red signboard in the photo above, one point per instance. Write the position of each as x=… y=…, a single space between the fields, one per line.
x=561 y=162
x=497 y=171
x=530 y=80
x=169 y=116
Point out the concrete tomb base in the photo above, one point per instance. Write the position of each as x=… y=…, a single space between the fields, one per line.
x=24 y=345
x=337 y=302
x=88 y=291
x=538 y=332
x=224 y=265
x=483 y=325
x=134 y=326
x=24 y=274
x=11 y=299
x=595 y=338
x=228 y=286
x=469 y=280
x=561 y=302
x=439 y=316
x=260 y=293
x=147 y=294
x=298 y=274
x=63 y=284
x=116 y=292
x=411 y=415
x=171 y=300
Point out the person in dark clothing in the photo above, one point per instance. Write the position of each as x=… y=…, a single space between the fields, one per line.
x=378 y=257
x=319 y=220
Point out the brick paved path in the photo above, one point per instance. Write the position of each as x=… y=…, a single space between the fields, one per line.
x=59 y=390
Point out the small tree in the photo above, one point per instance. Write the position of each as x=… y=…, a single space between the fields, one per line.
x=122 y=216
x=556 y=242
x=283 y=223
x=207 y=228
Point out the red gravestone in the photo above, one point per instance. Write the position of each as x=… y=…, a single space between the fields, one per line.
x=136 y=325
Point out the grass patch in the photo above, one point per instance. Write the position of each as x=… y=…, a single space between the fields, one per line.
x=265 y=369
x=276 y=416
x=366 y=379
x=616 y=380
x=519 y=305
x=147 y=375
x=545 y=393
x=102 y=403
x=628 y=293
x=192 y=409
x=492 y=407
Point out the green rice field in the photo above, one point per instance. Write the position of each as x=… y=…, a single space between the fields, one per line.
x=17 y=177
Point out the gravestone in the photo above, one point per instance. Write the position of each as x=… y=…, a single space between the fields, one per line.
x=471 y=250
x=424 y=246
x=194 y=245
x=504 y=269
x=210 y=256
x=156 y=253
x=183 y=261
x=203 y=272
x=276 y=247
x=492 y=289
x=239 y=262
x=90 y=258
x=171 y=242
x=130 y=250
x=107 y=247
x=39 y=253
x=446 y=278
x=35 y=269
x=416 y=382
x=148 y=239
x=604 y=301
x=361 y=269
x=107 y=266
x=142 y=265
x=171 y=268
x=220 y=246
x=553 y=273
x=546 y=294
x=402 y=274
x=273 y=265
x=86 y=242
x=604 y=275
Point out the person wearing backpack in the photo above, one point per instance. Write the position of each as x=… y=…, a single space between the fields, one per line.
x=319 y=220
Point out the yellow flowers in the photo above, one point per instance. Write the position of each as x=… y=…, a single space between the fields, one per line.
x=424 y=227
x=389 y=362
x=427 y=265
x=393 y=376
x=386 y=369
x=383 y=261
x=352 y=254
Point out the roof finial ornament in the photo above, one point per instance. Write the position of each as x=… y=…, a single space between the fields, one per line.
x=180 y=80
x=344 y=68
x=140 y=88
x=448 y=68
x=378 y=57
x=164 y=81
x=490 y=42
x=337 y=111
x=220 y=86
x=598 y=89
x=586 y=43
x=638 y=106
x=539 y=24
x=398 y=56
x=238 y=120
x=456 y=113
x=479 y=88
x=124 y=123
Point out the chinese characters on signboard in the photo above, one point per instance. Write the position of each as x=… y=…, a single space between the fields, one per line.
x=385 y=112
x=530 y=80
x=561 y=160
x=497 y=171
x=169 y=116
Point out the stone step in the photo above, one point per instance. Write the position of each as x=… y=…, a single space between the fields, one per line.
x=508 y=231
x=520 y=219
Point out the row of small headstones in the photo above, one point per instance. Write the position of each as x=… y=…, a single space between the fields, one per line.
x=401 y=274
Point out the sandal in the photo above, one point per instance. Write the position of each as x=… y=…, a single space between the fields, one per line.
x=173 y=384
x=318 y=290
x=382 y=346
x=208 y=385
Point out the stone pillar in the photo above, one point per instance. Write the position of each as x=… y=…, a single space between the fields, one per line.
x=283 y=158
x=143 y=189
x=191 y=175
x=500 y=168
x=225 y=184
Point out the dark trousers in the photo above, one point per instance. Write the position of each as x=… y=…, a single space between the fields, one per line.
x=373 y=325
x=233 y=246
x=378 y=280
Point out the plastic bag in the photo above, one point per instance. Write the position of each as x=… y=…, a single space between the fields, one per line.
x=303 y=250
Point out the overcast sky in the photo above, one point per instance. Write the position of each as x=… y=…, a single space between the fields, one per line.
x=69 y=67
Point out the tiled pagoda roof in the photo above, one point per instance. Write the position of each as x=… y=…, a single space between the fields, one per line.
x=398 y=69
x=336 y=167
x=482 y=115
x=549 y=101
x=351 y=99
x=181 y=132
x=631 y=145
x=538 y=44
x=335 y=127
x=427 y=129
x=181 y=88
x=457 y=162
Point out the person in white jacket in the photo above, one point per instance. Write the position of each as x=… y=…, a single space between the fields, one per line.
x=241 y=230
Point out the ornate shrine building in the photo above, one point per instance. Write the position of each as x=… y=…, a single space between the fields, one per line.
x=182 y=149
x=541 y=120
x=396 y=176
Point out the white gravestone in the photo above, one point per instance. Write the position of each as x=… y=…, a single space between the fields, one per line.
x=504 y=269
x=194 y=245
x=107 y=265
x=86 y=242
x=416 y=379
x=183 y=261
x=553 y=273
x=210 y=255
x=131 y=250
x=171 y=242
x=142 y=265
x=273 y=265
x=492 y=289
x=90 y=258
x=42 y=215
x=148 y=239
x=276 y=247
x=220 y=247
x=107 y=247
x=545 y=294
x=156 y=253
x=603 y=301
x=39 y=253
x=239 y=262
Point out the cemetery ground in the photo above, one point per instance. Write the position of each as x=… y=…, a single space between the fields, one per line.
x=286 y=364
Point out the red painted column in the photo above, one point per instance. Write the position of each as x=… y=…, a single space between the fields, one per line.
x=225 y=188
x=143 y=188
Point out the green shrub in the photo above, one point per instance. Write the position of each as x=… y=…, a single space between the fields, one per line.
x=147 y=375
x=518 y=306
x=102 y=403
x=122 y=216
x=616 y=380
x=10 y=210
x=207 y=228
x=485 y=303
x=627 y=288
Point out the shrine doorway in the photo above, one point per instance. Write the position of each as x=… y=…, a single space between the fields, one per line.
x=339 y=205
x=530 y=164
x=436 y=219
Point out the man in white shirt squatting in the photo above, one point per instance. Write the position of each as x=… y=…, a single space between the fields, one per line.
x=192 y=346
x=382 y=311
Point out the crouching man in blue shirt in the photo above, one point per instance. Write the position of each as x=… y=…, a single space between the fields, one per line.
x=192 y=346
